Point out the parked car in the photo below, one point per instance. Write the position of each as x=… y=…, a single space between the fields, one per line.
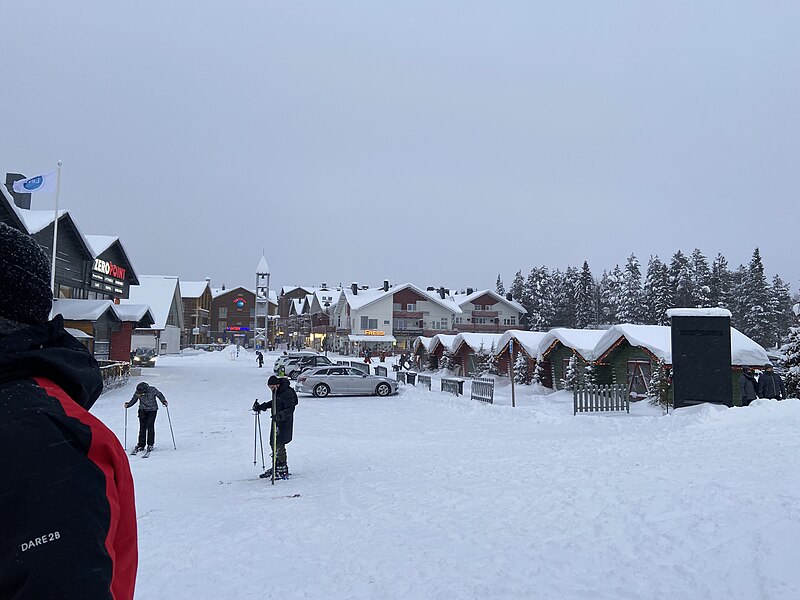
x=309 y=362
x=348 y=381
x=144 y=357
x=281 y=361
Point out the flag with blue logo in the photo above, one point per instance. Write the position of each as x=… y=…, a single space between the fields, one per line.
x=40 y=183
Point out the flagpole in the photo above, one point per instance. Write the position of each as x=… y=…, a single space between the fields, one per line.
x=55 y=236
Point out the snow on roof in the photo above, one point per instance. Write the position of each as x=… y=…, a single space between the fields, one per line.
x=133 y=312
x=657 y=339
x=423 y=341
x=462 y=299
x=698 y=312
x=443 y=339
x=36 y=220
x=193 y=289
x=328 y=296
x=582 y=341
x=478 y=341
x=158 y=292
x=99 y=243
x=529 y=340
x=368 y=296
x=81 y=310
x=77 y=333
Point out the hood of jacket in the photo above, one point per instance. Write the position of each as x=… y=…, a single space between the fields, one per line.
x=48 y=351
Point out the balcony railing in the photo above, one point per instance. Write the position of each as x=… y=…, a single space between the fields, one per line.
x=485 y=313
x=407 y=314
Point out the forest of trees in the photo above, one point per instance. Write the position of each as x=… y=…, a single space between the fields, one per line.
x=574 y=298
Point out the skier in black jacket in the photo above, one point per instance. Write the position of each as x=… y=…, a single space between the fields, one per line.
x=770 y=384
x=146 y=396
x=67 y=512
x=285 y=400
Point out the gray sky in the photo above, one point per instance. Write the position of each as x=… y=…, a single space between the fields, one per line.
x=436 y=142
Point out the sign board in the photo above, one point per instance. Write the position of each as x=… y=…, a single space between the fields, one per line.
x=373 y=332
x=196 y=331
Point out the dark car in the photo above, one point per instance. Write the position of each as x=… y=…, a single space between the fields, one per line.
x=144 y=357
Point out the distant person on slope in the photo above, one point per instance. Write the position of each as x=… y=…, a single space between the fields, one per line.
x=66 y=500
x=259 y=358
x=747 y=386
x=284 y=399
x=146 y=396
x=770 y=384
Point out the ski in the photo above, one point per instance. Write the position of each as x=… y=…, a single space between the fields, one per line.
x=146 y=453
x=135 y=451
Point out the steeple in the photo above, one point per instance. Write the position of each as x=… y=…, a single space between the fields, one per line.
x=263 y=267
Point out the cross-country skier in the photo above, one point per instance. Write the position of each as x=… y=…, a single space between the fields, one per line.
x=66 y=500
x=146 y=396
x=285 y=400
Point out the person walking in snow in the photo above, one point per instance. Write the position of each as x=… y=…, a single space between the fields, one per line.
x=284 y=399
x=67 y=501
x=146 y=395
x=368 y=356
x=747 y=386
x=259 y=358
x=770 y=384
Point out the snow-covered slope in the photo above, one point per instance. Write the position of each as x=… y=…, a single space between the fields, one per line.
x=424 y=495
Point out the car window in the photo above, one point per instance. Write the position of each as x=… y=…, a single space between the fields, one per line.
x=321 y=372
x=337 y=371
x=353 y=371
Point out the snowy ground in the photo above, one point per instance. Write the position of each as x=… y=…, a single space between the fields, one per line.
x=424 y=495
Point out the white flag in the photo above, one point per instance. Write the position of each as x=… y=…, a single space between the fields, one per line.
x=40 y=183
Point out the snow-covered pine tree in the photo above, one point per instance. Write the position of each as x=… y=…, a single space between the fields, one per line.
x=585 y=298
x=499 y=287
x=629 y=309
x=610 y=295
x=520 y=369
x=701 y=279
x=538 y=298
x=680 y=277
x=792 y=363
x=492 y=367
x=755 y=303
x=656 y=295
x=572 y=376
x=660 y=386
x=537 y=377
x=720 y=283
x=780 y=309
x=589 y=374
x=482 y=362
x=518 y=287
x=446 y=362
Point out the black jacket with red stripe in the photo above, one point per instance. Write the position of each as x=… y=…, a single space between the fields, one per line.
x=67 y=515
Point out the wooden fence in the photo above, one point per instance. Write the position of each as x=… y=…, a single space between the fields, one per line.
x=600 y=398
x=454 y=386
x=424 y=381
x=483 y=390
x=115 y=374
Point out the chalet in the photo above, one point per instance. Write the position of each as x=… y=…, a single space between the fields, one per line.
x=469 y=348
x=162 y=294
x=559 y=345
x=526 y=344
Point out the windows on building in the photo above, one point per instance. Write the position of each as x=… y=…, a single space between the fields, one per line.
x=223 y=313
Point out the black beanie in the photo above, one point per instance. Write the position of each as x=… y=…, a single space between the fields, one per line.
x=273 y=380
x=25 y=295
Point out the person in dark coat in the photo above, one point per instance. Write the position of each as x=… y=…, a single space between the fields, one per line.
x=66 y=501
x=747 y=386
x=284 y=399
x=770 y=384
x=146 y=395
x=259 y=358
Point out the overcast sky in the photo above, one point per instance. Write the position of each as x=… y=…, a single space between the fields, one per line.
x=434 y=142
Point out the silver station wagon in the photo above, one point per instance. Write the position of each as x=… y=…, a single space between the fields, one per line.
x=348 y=381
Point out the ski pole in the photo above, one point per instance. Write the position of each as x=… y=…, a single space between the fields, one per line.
x=261 y=440
x=274 y=439
x=255 y=436
x=125 y=443
x=170 y=428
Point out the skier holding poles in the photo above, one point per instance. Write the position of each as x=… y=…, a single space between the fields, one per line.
x=284 y=399
x=146 y=396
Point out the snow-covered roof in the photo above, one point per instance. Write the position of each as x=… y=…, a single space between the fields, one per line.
x=423 y=341
x=368 y=296
x=657 y=340
x=193 y=289
x=100 y=243
x=134 y=313
x=217 y=292
x=529 y=340
x=582 y=341
x=81 y=310
x=36 y=220
x=462 y=299
x=444 y=339
x=698 y=312
x=331 y=297
x=77 y=333
x=158 y=292
x=477 y=341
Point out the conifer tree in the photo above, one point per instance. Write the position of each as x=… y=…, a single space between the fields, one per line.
x=660 y=385
x=611 y=294
x=499 y=287
x=755 y=303
x=792 y=363
x=657 y=297
x=518 y=287
x=681 y=281
x=780 y=309
x=584 y=298
x=537 y=378
x=571 y=377
x=538 y=300
x=701 y=279
x=719 y=284
x=520 y=369
x=629 y=309
x=492 y=368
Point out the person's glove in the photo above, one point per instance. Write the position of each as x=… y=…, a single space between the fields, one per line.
x=125 y=404
x=164 y=402
x=256 y=406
